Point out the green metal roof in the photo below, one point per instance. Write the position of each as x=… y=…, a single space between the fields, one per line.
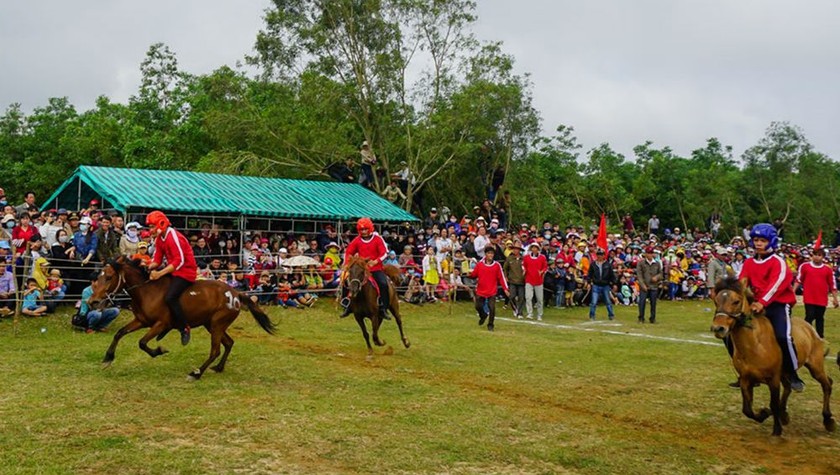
x=194 y=192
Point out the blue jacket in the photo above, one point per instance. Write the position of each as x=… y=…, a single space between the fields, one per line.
x=7 y=283
x=83 y=246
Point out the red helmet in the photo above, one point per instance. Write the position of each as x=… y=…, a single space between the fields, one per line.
x=156 y=219
x=364 y=223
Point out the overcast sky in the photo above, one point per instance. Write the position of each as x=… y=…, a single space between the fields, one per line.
x=623 y=71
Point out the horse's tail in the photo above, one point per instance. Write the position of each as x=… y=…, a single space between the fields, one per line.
x=258 y=313
x=393 y=273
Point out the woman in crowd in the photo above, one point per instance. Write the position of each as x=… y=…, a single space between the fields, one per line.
x=129 y=240
x=431 y=273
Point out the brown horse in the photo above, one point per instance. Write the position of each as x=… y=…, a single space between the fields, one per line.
x=758 y=357
x=206 y=303
x=364 y=300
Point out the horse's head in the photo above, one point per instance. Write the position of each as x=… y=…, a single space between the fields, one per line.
x=732 y=306
x=357 y=274
x=110 y=281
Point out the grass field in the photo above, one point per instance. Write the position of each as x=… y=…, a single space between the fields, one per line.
x=566 y=396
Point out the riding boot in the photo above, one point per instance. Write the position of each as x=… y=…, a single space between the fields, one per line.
x=345 y=302
x=796 y=384
x=185 y=335
x=383 y=312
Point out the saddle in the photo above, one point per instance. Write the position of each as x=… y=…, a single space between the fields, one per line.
x=372 y=282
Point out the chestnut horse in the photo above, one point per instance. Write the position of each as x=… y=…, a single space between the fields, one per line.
x=758 y=357
x=364 y=300
x=206 y=303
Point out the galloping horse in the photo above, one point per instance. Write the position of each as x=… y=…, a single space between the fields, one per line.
x=364 y=300
x=758 y=357
x=206 y=303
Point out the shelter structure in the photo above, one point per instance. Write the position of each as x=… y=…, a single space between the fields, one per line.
x=234 y=203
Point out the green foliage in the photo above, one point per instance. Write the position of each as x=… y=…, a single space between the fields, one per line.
x=409 y=77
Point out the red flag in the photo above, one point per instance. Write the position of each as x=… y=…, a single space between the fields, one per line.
x=818 y=242
x=602 y=233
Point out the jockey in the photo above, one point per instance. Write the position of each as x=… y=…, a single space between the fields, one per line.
x=370 y=245
x=771 y=282
x=180 y=262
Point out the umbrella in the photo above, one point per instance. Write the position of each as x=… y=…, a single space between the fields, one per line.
x=300 y=261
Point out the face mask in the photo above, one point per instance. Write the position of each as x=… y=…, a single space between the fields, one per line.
x=132 y=233
x=3 y=202
x=10 y=224
x=64 y=239
x=83 y=227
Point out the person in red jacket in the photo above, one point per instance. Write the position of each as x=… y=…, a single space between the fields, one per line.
x=489 y=276
x=180 y=262
x=370 y=245
x=771 y=281
x=817 y=281
x=535 y=265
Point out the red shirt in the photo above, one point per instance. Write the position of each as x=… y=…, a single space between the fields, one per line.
x=770 y=280
x=535 y=268
x=373 y=248
x=817 y=282
x=173 y=246
x=22 y=236
x=490 y=277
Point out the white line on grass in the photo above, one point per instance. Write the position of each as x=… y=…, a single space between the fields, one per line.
x=590 y=328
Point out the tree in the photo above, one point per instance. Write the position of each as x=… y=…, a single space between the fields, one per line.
x=426 y=116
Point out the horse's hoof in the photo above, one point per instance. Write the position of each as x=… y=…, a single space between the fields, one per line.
x=379 y=343
x=195 y=375
x=388 y=351
x=106 y=364
x=785 y=418
x=369 y=358
x=830 y=425
x=407 y=343
x=218 y=369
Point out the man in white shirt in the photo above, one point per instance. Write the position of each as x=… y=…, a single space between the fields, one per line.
x=481 y=241
x=653 y=225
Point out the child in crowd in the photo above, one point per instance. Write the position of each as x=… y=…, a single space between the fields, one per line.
x=285 y=294
x=32 y=305
x=571 y=285
x=142 y=254
x=625 y=293
x=265 y=290
x=55 y=285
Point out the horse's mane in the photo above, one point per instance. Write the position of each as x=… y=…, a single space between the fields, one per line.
x=729 y=283
x=355 y=261
x=733 y=284
x=135 y=264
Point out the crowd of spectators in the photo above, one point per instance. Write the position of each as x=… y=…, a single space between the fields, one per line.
x=56 y=250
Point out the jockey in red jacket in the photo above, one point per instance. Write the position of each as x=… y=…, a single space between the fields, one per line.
x=370 y=245
x=180 y=262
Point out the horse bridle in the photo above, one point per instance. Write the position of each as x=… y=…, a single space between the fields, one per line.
x=740 y=318
x=109 y=296
x=350 y=282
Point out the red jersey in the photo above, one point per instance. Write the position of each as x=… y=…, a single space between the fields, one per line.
x=490 y=277
x=817 y=282
x=373 y=248
x=770 y=280
x=173 y=246
x=535 y=268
